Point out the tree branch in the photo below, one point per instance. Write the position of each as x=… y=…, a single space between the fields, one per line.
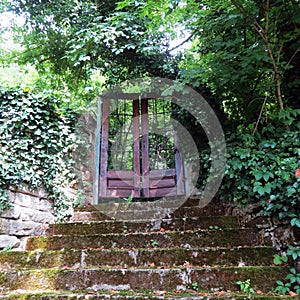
x=292 y=57
x=183 y=42
x=263 y=33
x=260 y=114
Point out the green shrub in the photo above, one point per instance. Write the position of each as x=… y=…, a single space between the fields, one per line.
x=262 y=168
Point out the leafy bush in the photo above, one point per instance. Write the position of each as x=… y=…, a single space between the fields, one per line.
x=292 y=280
x=263 y=168
x=264 y=171
x=36 y=141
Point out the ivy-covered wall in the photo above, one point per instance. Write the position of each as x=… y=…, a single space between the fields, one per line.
x=37 y=141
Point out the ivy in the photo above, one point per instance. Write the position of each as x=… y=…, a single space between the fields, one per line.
x=37 y=140
x=263 y=168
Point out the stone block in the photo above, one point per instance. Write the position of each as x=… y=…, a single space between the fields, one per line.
x=38 y=216
x=4 y=226
x=40 y=193
x=24 y=228
x=31 y=201
x=9 y=241
x=11 y=213
x=26 y=200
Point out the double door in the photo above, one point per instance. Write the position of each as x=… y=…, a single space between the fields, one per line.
x=139 y=157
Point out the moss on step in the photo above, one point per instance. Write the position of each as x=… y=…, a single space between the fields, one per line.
x=137 y=257
x=262 y=278
x=129 y=294
x=187 y=239
x=104 y=227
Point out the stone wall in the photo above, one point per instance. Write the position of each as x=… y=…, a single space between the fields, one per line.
x=277 y=232
x=30 y=214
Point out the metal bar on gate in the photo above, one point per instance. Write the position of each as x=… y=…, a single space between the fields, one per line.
x=97 y=152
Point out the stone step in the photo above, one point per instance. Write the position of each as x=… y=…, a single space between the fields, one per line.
x=174 y=201
x=222 y=278
x=141 y=215
x=185 y=239
x=136 y=295
x=109 y=226
x=120 y=210
x=170 y=257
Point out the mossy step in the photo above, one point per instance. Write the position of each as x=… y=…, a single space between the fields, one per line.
x=248 y=256
x=149 y=210
x=223 y=278
x=142 y=215
x=187 y=239
x=224 y=222
x=136 y=295
x=169 y=202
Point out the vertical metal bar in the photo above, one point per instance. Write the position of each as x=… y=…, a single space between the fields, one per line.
x=104 y=148
x=136 y=149
x=97 y=152
x=179 y=168
x=145 y=149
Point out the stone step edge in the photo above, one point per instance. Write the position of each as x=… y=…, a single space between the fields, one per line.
x=149 y=220
x=124 y=207
x=125 y=294
x=144 y=269
x=170 y=202
x=185 y=239
x=141 y=215
x=174 y=224
x=198 y=230
x=210 y=248
x=137 y=279
x=135 y=254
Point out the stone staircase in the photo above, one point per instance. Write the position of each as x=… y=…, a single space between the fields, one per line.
x=191 y=253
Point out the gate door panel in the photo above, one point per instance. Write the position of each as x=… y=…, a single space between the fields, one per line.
x=120 y=158
x=138 y=153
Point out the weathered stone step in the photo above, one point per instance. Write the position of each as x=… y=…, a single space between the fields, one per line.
x=245 y=256
x=136 y=295
x=187 y=239
x=222 y=278
x=109 y=226
x=168 y=202
x=147 y=210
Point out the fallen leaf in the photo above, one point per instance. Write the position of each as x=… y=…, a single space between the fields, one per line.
x=162 y=230
x=159 y=293
x=291 y=293
x=259 y=292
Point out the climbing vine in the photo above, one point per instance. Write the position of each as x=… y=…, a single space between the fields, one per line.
x=37 y=140
x=263 y=168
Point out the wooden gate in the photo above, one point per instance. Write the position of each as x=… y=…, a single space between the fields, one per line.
x=139 y=157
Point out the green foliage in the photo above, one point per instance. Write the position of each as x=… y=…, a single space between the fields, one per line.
x=128 y=199
x=80 y=198
x=293 y=283
x=231 y=56
x=7 y=248
x=279 y=260
x=293 y=278
x=154 y=243
x=37 y=140
x=93 y=36
x=245 y=287
x=262 y=168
